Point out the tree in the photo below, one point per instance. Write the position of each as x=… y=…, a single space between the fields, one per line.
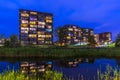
x=14 y=40
x=91 y=41
x=117 y=42
x=61 y=34
x=7 y=43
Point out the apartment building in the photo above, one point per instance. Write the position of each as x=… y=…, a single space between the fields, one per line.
x=36 y=28
x=75 y=34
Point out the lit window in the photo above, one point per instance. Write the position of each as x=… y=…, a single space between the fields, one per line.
x=49 y=30
x=41 y=35
x=49 y=27
x=76 y=40
x=41 y=39
x=68 y=37
x=41 y=26
x=70 y=29
x=34 y=29
x=48 y=36
x=48 y=42
x=49 y=21
x=34 y=13
x=32 y=22
x=76 y=29
x=32 y=18
x=24 y=31
x=24 y=21
x=33 y=25
x=48 y=17
x=24 y=25
x=43 y=23
x=32 y=35
x=24 y=14
x=22 y=28
x=41 y=32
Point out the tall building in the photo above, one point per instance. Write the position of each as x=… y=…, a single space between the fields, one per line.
x=36 y=28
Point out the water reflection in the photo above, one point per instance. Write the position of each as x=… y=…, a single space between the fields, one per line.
x=71 y=68
x=38 y=68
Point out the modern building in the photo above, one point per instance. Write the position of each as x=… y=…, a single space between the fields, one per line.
x=86 y=32
x=105 y=38
x=75 y=34
x=36 y=28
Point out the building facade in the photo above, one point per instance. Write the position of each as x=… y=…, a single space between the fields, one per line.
x=75 y=34
x=36 y=28
x=105 y=38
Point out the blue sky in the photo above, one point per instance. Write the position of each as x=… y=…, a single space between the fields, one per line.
x=101 y=15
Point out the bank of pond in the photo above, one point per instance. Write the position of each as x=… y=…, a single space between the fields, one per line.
x=37 y=52
x=63 y=69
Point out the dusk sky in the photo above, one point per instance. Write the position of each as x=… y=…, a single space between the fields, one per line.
x=101 y=15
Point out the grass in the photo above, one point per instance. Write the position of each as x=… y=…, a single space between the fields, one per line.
x=59 y=52
x=109 y=74
x=12 y=75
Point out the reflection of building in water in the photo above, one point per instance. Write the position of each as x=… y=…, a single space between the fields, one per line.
x=35 y=67
x=75 y=62
x=70 y=63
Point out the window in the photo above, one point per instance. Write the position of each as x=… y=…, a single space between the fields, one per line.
x=33 y=29
x=68 y=37
x=41 y=26
x=24 y=14
x=41 y=39
x=34 y=13
x=32 y=35
x=49 y=27
x=33 y=18
x=43 y=23
x=49 y=21
x=25 y=29
x=24 y=21
x=32 y=22
x=48 y=36
x=76 y=40
x=33 y=25
x=41 y=33
x=41 y=36
x=48 y=42
x=24 y=25
x=48 y=17
x=70 y=29
x=76 y=29
x=49 y=30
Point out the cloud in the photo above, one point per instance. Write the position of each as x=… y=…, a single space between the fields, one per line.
x=8 y=4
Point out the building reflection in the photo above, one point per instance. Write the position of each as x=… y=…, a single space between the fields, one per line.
x=33 y=68
x=74 y=62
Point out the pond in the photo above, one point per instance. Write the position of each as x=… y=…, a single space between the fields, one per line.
x=71 y=68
